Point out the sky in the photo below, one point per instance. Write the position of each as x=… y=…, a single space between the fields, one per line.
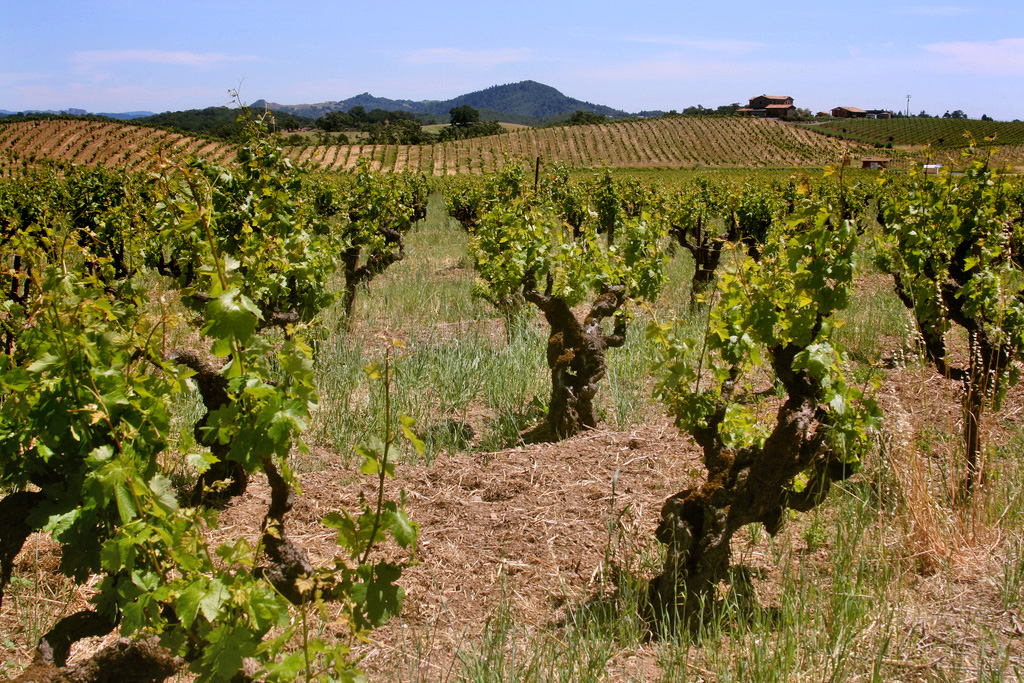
x=120 y=55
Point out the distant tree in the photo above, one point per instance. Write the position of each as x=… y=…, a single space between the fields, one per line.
x=334 y=121
x=986 y=117
x=476 y=129
x=958 y=114
x=728 y=109
x=697 y=110
x=584 y=118
x=398 y=132
x=923 y=115
x=358 y=114
x=464 y=115
x=378 y=115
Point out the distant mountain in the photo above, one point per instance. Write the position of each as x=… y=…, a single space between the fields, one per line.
x=123 y=116
x=128 y=115
x=526 y=98
x=524 y=102
x=44 y=112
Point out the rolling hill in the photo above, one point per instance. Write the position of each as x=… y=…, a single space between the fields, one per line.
x=526 y=102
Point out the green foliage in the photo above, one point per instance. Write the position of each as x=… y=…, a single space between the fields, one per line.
x=951 y=245
x=464 y=115
x=243 y=225
x=464 y=199
x=465 y=131
x=222 y=123
x=947 y=235
x=381 y=209
x=526 y=236
x=586 y=118
x=85 y=386
x=384 y=127
x=539 y=246
x=781 y=306
x=398 y=132
x=755 y=208
x=109 y=213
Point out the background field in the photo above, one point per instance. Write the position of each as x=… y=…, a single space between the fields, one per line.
x=657 y=143
x=664 y=143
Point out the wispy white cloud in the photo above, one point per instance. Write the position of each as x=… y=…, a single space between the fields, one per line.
x=470 y=58
x=995 y=58
x=203 y=60
x=731 y=47
x=935 y=10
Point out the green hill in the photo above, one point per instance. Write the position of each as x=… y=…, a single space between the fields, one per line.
x=525 y=102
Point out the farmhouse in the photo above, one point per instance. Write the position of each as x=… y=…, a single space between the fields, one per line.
x=849 y=113
x=875 y=163
x=770 y=106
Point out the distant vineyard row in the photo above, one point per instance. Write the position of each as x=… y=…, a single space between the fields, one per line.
x=658 y=143
x=94 y=143
x=939 y=133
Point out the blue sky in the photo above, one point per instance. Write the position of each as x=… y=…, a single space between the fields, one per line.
x=115 y=55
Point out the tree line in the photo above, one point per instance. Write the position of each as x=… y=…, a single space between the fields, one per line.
x=404 y=128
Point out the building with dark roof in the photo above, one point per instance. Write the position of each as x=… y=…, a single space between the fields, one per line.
x=771 y=106
x=849 y=113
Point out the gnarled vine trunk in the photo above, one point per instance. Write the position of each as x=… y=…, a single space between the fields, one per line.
x=743 y=486
x=125 y=661
x=15 y=509
x=576 y=357
x=213 y=388
x=987 y=359
x=705 y=248
x=360 y=275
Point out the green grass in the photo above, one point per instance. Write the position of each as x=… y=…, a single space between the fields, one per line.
x=467 y=386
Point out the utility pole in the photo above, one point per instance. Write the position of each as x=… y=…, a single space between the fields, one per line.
x=908 y=105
